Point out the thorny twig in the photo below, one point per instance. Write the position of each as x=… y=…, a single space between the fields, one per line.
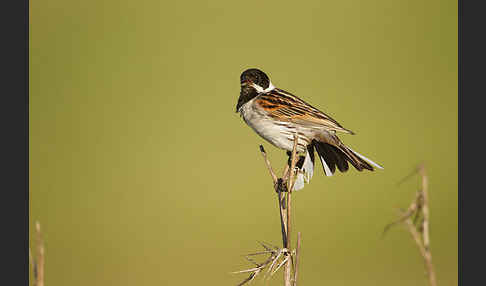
x=284 y=256
x=419 y=229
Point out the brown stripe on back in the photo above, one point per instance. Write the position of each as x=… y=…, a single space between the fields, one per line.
x=266 y=99
x=306 y=106
x=284 y=94
x=268 y=106
x=274 y=100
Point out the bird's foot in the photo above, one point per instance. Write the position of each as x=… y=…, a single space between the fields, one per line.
x=281 y=186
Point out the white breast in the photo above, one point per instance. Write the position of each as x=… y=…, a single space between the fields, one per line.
x=278 y=133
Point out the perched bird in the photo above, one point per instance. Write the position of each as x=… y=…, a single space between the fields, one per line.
x=276 y=115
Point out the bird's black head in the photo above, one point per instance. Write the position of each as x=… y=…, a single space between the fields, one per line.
x=254 y=76
x=253 y=81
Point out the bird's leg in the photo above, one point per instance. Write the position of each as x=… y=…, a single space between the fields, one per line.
x=299 y=164
x=282 y=182
x=281 y=186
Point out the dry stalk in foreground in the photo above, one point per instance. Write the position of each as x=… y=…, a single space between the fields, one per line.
x=418 y=227
x=279 y=257
x=38 y=261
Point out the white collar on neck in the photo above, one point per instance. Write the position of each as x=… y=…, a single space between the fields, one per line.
x=260 y=89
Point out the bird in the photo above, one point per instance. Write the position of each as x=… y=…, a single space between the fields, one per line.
x=276 y=115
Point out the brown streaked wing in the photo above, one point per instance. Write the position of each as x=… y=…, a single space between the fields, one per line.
x=285 y=106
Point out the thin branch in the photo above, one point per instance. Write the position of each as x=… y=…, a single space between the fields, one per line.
x=286 y=259
x=251 y=277
x=38 y=261
x=425 y=226
x=283 y=256
x=283 y=217
x=420 y=231
x=290 y=184
x=415 y=235
x=277 y=185
x=414 y=171
x=285 y=175
x=272 y=260
x=272 y=173
x=259 y=253
x=410 y=211
x=297 y=253
x=269 y=271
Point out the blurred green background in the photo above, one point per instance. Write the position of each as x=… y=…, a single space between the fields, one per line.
x=141 y=172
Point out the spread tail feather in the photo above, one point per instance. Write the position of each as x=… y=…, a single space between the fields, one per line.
x=331 y=157
x=366 y=159
x=338 y=156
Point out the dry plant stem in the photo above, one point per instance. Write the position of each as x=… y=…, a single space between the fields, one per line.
x=283 y=218
x=297 y=253
x=420 y=232
x=287 y=268
x=425 y=233
x=408 y=213
x=286 y=173
x=272 y=173
x=423 y=251
x=415 y=235
x=290 y=186
x=38 y=262
x=279 y=257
